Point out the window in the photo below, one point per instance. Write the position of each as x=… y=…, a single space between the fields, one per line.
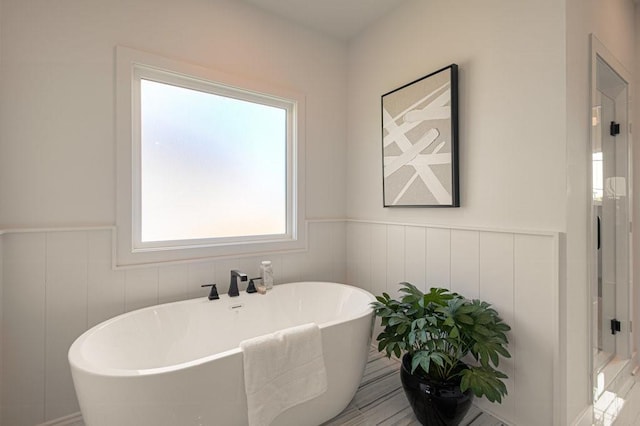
x=207 y=165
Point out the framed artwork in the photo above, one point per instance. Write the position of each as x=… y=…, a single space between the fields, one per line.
x=420 y=142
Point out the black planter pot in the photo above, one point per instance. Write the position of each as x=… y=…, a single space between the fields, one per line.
x=434 y=403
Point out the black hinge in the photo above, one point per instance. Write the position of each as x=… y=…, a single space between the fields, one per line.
x=614 y=129
x=615 y=326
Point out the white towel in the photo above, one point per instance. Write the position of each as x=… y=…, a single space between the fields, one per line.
x=281 y=370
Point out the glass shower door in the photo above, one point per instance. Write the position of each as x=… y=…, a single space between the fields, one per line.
x=610 y=212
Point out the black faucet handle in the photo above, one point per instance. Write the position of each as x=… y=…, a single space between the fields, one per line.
x=251 y=288
x=213 y=294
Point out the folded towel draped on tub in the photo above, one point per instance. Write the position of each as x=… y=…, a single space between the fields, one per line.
x=281 y=370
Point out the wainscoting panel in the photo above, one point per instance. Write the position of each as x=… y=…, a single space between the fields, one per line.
x=140 y=288
x=375 y=268
x=514 y=271
x=465 y=265
x=105 y=298
x=172 y=283
x=497 y=287
x=535 y=329
x=415 y=250
x=65 y=316
x=438 y=257
x=57 y=284
x=395 y=258
x=1 y=344
x=23 y=345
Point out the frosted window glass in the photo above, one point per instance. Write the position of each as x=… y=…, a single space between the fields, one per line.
x=211 y=166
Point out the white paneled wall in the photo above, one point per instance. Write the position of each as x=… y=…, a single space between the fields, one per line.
x=58 y=284
x=514 y=271
x=23 y=300
x=1 y=275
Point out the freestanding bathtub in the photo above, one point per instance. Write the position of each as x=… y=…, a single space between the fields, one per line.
x=180 y=364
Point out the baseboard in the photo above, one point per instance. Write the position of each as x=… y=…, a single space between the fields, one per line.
x=585 y=418
x=74 y=419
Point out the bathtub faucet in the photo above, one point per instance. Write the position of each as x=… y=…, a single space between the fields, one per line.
x=233 y=286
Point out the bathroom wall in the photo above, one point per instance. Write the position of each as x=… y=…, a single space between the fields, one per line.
x=57 y=169
x=511 y=57
x=515 y=271
x=1 y=318
x=58 y=284
x=524 y=118
x=57 y=160
x=524 y=135
x=512 y=107
x=636 y=180
x=1 y=266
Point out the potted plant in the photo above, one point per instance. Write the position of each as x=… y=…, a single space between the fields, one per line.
x=452 y=347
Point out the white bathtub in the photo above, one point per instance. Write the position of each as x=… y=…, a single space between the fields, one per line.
x=180 y=364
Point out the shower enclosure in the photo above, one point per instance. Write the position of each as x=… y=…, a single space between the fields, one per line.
x=610 y=275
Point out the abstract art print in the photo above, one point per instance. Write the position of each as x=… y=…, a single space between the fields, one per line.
x=420 y=142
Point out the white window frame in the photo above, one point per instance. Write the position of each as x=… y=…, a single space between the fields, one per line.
x=132 y=66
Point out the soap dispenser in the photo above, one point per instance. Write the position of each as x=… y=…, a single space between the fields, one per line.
x=266 y=272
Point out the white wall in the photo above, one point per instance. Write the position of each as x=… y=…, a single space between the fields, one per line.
x=512 y=167
x=57 y=159
x=512 y=135
x=1 y=321
x=58 y=284
x=524 y=109
x=516 y=271
x=1 y=269
x=57 y=168
x=636 y=183
x=613 y=23
x=523 y=123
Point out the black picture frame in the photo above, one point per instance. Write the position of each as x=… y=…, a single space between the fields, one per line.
x=420 y=142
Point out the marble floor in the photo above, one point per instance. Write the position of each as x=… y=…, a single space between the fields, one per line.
x=380 y=400
x=621 y=409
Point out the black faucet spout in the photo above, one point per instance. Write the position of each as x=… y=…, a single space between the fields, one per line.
x=233 y=285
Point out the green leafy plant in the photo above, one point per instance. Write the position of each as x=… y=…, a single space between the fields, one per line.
x=438 y=329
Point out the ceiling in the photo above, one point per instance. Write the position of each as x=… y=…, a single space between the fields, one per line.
x=342 y=19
